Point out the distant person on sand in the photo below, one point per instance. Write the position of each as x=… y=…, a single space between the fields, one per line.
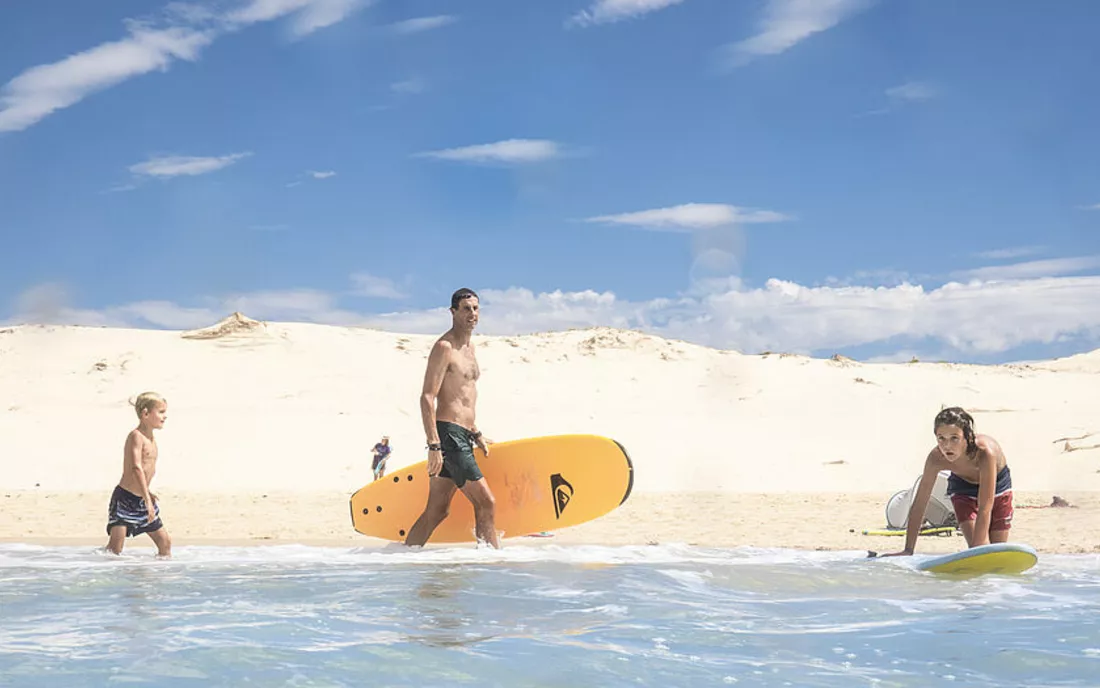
x=133 y=509
x=447 y=407
x=381 y=453
x=980 y=484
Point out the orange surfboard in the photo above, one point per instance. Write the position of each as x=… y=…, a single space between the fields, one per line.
x=540 y=484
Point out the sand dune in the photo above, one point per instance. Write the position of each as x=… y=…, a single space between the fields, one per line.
x=282 y=407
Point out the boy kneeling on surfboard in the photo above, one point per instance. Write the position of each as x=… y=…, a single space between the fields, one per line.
x=980 y=484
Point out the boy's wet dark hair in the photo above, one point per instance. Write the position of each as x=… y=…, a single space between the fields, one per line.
x=962 y=420
x=461 y=295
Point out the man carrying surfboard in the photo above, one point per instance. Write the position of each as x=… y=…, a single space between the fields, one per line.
x=448 y=403
x=980 y=483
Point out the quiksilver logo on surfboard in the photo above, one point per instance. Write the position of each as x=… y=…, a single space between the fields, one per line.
x=562 y=492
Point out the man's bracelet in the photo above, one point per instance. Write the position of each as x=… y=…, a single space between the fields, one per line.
x=434 y=446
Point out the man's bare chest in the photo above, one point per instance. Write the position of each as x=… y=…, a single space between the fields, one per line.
x=465 y=368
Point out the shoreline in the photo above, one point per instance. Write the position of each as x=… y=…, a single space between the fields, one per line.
x=796 y=520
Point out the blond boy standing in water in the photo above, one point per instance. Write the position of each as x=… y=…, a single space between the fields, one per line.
x=133 y=509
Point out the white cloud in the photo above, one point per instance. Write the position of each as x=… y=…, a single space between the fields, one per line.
x=321 y=14
x=692 y=216
x=175 y=166
x=321 y=175
x=1091 y=207
x=185 y=29
x=409 y=86
x=610 y=11
x=312 y=305
x=121 y=188
x=956 y=319
x=42 y=90
x=788 y=22
x=510 y=151
x=190 y=13
x=161 y=314
x=1051 y=267
x=974 y=317
x=912 y=91
x=49 y=304
x=307 y=15
x=1009 y=253
x=902 y=356
x=372 y=286
x=419 y=24
x=42 y=302
x=898 y=96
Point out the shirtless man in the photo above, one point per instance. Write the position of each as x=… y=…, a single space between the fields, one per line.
x=980 y=484
x=447 y=407
x=133 y=509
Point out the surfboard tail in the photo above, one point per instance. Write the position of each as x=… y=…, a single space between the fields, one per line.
x=630 y=470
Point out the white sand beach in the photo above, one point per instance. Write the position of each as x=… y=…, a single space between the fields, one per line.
x=270 y=427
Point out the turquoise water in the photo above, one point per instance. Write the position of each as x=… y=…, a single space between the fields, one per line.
x=537 y=615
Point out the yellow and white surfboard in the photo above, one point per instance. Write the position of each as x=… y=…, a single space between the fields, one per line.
x=1002 y=557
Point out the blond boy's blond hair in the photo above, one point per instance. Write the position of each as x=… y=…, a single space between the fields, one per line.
x=146 y=401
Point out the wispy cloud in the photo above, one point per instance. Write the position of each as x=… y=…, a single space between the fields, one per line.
x=509 y=151
x=899 y=96
x=409 y=86
x=786 y=23
x=1009 y=253
x=692 y=216
x=307 y=16
x=190 y=13
x=1091 y=207
x=912 y=92
x=181 y=32
x=420 y=24
x=120 y=188
x=45 y=89
x=373 y=286
x=610 y=11
x=313 y=305
x=1052 y=267
x=176 y=165
x=312 y=174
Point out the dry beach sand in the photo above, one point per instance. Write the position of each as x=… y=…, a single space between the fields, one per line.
x=270 y=427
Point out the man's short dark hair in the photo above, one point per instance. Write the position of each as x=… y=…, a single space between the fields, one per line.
x=461 y=295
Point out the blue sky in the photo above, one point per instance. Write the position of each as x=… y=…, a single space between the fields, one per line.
x=878 y=178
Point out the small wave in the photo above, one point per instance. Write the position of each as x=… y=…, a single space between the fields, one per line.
x=1085 y=569
x=39 y=556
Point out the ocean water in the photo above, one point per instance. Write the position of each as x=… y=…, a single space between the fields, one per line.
x=537 y=615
